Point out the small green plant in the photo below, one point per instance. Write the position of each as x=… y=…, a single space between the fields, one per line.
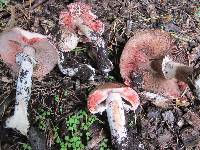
x=78 y=126
x=104 y=145
x=79 y=50
x=3 y=3
x=110 y=78
x=132 y=121
x=197 y=13
x=43 y=116
x=56 y=98
x=26 y=146
x=66 y=93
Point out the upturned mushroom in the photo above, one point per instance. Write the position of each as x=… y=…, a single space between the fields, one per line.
x=153 y=56
x=108 y=97
x=79 y=21
x=27 y=54
x=194 y=59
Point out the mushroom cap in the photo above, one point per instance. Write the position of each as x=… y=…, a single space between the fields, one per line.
x=137 y=55
x=46 y=53
x=80 y=13
x=101 y=92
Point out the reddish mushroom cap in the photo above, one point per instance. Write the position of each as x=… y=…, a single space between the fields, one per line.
x=46 y=53
x=137 y=55
x=100 y=93
x=80 y=13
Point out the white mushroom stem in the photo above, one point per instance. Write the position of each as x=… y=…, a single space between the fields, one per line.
x=26 y=62
x=112 y=94
x=116 y=117
x=69 y=42
x=173 y=69
x=170 y=69
x=102 y=57
x=66 y=71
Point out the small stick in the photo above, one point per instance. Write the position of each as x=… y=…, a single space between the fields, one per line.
x=36 y=5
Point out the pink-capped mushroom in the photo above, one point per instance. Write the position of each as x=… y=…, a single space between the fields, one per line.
x=153 y=56
x=11 y=43
x=114 y=98
x=27 y=54
x=79 y=20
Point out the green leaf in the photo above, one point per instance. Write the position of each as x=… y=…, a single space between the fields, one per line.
x=70 y=128
x=48 y=113
x=88 y=134
x=78 y=143
x=76 y=138
x=69 y=145
x=66 y=138
x=74 y=145
x=71 y=121
x=65 y=93
x=56 y=98
x=101 y=148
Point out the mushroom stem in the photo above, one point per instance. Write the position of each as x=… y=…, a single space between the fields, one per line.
x=100 y=52
x=75 y=69
x=69 y=42
x=116 y=118
x=66 y=71
x=169 y=69
x=26 y=61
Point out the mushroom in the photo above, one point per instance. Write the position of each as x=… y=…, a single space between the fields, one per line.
x=79 y=21
x=27 y=54
x=194 y=58
x=108 y=97
x=152 y=55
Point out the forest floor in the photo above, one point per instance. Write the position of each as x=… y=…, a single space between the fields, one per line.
x=58 y=107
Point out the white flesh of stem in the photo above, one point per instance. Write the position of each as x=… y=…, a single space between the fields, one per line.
x=116 y=117
x=68 y=42
x=169 y=67
x=19 y=120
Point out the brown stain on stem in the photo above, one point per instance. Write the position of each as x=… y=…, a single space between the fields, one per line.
x=117 y=115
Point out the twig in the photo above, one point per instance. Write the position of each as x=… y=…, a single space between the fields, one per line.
x=11 y=22
x=36 y=5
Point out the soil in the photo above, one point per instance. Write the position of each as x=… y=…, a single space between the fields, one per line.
x=177 y=127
